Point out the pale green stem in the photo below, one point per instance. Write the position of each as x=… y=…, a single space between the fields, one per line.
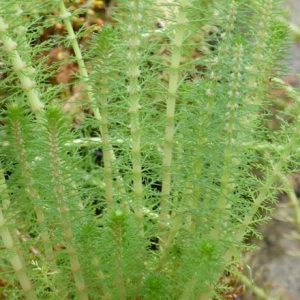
x=108 y=153
x=106 y=147
x=65 y=14
x=262 y=35
x=226 y=184
x=31 y=192
x=62 y=205
x=259 y=65
x=134 y=43
x=34 y=196
x=223 y=53
x=229 y=29
x=174 y=79
x=23 y=72
x=177 y=221
x=15 y=258
x=261 y=41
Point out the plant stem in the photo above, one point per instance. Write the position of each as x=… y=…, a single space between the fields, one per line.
x=108 y=154
x=59 y=194
x=265 y=9
x=106 y=145
x=15 y=258
x=174 y=78
x=234 y=94
x=166 y=245
x=21 y=69
x=134 y=99
x=30 y=191
x=65 y=14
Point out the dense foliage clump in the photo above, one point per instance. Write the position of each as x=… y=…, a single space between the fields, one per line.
x=151 y=192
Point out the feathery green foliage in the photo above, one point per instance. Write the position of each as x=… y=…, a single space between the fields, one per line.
x=177 y=114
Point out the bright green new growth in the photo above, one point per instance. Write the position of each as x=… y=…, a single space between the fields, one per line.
x=178 y=112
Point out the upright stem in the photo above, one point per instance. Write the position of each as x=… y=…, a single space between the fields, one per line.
x=134 y=43
x=31 y=192
x=62 y=205
x=259 y=73
x=23 y=72
x=108 y=154
x=15 y=258
x=65 y=14
x=234 y=95
x=106 y=145
x=265 y=13
x=174 y=78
